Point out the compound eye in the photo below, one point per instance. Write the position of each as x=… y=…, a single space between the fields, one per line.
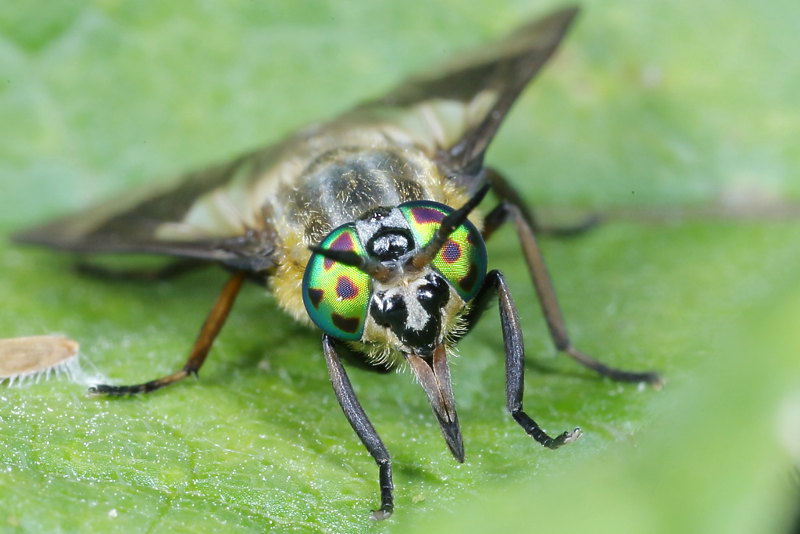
x=336 y=296
x=462 y=260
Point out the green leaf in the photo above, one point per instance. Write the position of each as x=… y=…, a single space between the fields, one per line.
x=656 y=114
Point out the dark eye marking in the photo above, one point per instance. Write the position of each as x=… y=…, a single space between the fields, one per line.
x=343 y=242
x=451 y=251
x=469 y=279
x=347 y=324
x=345 y=288
x=316 y=295
x=427 y=215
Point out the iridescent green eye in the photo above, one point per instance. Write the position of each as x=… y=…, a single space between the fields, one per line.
x=462 y=260
x=336 y=295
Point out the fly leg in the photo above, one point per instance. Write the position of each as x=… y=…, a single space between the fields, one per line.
x=515 y=358
x=211 y=327
x=506 y=191
x=511 y=207
x=360 y=422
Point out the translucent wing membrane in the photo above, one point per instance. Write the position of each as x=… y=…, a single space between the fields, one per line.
x=187 y=218
x=218 y=214
x=460 y=105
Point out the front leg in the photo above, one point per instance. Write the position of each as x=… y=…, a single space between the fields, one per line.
x=515 y=359
x=360 y=422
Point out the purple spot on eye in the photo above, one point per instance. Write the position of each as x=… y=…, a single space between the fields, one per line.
x=343 y=242
x=345 y=288
x=451 y=251
x=427 y=215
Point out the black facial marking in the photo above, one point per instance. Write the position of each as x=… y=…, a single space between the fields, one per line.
x=347 y=324
x=390 y=244
x=433 y=295
x=392 y=312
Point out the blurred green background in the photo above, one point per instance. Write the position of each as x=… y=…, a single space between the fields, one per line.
x=651 y=110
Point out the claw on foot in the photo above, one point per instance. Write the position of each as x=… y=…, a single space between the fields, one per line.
x=380 y=515
x=564 y=438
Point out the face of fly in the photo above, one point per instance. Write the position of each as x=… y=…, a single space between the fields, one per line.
x=413 y=314
x=397 y=284
x=394 y=295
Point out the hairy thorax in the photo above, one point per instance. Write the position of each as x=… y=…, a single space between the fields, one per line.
x=338 y=187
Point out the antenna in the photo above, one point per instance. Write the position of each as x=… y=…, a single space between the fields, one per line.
x=448 y=226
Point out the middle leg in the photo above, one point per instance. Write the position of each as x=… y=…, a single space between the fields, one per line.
x=512 y=208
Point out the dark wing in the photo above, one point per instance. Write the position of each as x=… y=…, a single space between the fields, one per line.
x=467 y=99
x=222 y=214
x=192 y=218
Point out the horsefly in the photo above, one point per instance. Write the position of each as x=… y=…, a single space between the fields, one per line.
x=366 y=226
